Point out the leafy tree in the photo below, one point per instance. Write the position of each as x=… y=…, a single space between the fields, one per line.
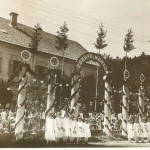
x=61 y=42
x=100 y=42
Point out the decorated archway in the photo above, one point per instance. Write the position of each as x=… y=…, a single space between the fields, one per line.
x=76 y=85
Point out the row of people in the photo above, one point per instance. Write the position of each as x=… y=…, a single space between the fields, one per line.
x=139 y=131
x=66 y=129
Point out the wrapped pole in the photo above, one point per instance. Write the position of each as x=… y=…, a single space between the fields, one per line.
x=51 y=88
x=125 y=105
x=75 y=89
x=141 y=98
x=107 y=106
x=19 y=124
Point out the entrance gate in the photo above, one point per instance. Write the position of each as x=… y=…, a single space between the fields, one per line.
x=75 y=88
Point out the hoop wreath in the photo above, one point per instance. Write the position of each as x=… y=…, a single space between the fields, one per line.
x=54 y=61
x=126 y=74
x=25 y=55
x=142 y=77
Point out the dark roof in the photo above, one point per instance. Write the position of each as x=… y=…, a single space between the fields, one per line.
x=21 y=36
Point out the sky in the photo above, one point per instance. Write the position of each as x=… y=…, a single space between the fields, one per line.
x=83 y=18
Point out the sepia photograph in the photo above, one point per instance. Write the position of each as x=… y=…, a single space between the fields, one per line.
x=74 y=73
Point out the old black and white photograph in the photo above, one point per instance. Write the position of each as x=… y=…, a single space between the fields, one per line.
x=74 y=73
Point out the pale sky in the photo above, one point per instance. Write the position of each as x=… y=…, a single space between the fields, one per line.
x=83 y=18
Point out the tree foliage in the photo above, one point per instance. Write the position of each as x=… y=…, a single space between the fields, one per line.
x=36 y=37
x=128 y=41
x=100 y=42
x=61 y=38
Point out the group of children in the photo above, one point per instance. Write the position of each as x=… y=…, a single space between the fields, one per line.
x=66 y=129
x=138 y=130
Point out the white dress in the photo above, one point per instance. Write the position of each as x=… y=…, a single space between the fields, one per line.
x=148 y=128
x=50 y=129
x=66 y=126
x=80 y=129
x=73 y=128
x=87 y=131
x=144 y=129
x=136 y=127
x=130 y=130
x=58 y=127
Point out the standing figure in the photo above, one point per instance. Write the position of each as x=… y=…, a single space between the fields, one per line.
x=136 y=127
x=80 y=130
x=66 y=127
x=50 y=129
x=148 y=129
x=130 y=128
x=87 y=131
x=73 y=129
x=58 y=127
x=144 y=131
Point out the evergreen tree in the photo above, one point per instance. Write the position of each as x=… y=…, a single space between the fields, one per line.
x=36 y=37
x=100 y=42
x=61 y=42
x=128 y=42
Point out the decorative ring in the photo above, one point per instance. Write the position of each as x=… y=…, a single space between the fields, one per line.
x=25 y=55
x=126 y=74
x=54 y=61
x=142 y=77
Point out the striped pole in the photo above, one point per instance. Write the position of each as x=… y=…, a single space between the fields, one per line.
x=107 y=106
x=75 y=89
x=125 y=107
x=19 y=124
x=51 y=88
x=141 y=98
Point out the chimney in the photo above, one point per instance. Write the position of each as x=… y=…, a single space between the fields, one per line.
x=13 y=19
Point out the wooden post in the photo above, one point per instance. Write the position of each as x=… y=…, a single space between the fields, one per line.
x=125 y=108
x=107 y=107
x=23 y=81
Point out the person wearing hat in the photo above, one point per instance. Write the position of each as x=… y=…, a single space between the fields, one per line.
x=143 y=129
x=136 y=127
x=50 y=128
x=130 y=128
x=148 y=129
x=58 y=127
x=66 y=127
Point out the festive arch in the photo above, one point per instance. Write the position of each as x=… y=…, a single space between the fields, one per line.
x=75 y=88
x=87 y=57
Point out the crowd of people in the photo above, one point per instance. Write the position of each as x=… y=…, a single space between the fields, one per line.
x=137 y=130
x=63 y=127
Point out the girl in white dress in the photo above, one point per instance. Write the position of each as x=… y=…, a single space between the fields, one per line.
x=130 y=128
x=50 y=129
x=73 y=129
x=66 y=127
x=80 y=130
x=148 y=129
x=87 y=131
x=143 y=127
x=58 y=127
x=136 y=127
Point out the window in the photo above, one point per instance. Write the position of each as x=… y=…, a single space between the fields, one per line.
x=13 y=65
x=40 y=70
